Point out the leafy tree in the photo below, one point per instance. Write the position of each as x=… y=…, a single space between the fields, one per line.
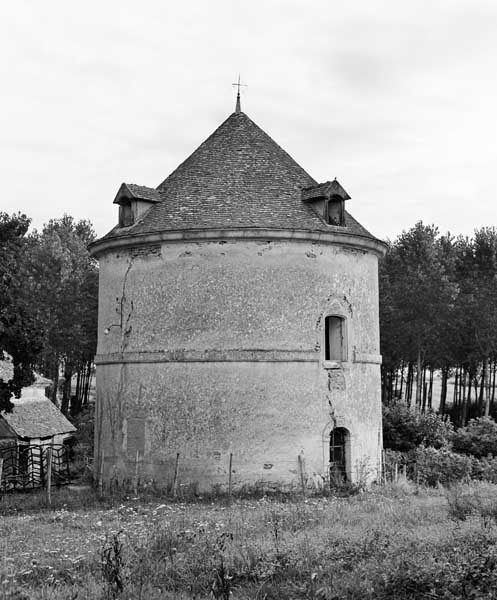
x=20 y=331
x=417 y=297
x=67 y=280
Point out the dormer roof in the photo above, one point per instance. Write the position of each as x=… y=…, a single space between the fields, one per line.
x=131 y=191
x=324 y=190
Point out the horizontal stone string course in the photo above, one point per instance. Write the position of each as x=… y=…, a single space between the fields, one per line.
x=256 y=355
x=333 y=237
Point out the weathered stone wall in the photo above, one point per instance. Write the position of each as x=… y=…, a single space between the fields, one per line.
x=217 y=347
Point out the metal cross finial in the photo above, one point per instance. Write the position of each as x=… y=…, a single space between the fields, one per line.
x=238 y=85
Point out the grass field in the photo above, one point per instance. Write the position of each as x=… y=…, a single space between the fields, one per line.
x=387 y=543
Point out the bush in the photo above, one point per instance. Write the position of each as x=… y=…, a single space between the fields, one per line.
x=478 y=438
x=474 y=499
x=405 y=429
x=441 y=466
x=485 y=469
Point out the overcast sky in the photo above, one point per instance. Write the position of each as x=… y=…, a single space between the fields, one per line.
x=396 y=99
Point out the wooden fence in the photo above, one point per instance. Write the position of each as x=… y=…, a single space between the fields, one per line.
x=29 y=467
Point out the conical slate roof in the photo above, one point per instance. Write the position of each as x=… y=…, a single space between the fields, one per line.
x=238 y=178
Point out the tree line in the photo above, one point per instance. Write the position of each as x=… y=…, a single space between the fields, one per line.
x=438 y=320
x=48 y=306
x=438 y=314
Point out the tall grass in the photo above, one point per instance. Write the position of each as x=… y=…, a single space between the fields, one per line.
x=397 y=543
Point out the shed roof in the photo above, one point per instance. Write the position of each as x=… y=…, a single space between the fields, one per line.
x=238 y=178
x=37 y=419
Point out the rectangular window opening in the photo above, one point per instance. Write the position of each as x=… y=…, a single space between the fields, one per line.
x=125 y=215
x=334 y=339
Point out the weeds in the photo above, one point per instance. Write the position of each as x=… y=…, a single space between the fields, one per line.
x=475 y=500
x=113 y=566
x=385 y=543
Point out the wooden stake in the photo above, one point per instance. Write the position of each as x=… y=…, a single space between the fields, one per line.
x=49 y=475
x=135 y=487
x=1 y=470
x=229 y=476
x=175 y=480
x=301 y=471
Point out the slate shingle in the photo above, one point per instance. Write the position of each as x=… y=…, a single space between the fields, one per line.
x=238 y=178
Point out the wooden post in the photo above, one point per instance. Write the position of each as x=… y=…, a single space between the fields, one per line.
x=1 y=470
x=66 y=458
x=396 y=475
x=135 y=486
x=175 y=480
x=42 y=467
x=229 y=475
x=49 y=475
x=383 y=468
x=301 y=471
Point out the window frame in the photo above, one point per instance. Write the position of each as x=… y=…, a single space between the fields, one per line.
x=334 y=363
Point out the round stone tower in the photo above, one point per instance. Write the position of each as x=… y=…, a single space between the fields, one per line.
x=238 y=325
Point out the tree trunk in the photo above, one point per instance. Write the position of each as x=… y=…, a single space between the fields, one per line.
x=419 y=380
x=401 y=379
x=79 y=377
x=408 y=384
x=443 y=391
x=384 y=385
x=66 y=390
x=455 y=400
x=484 y=387
x=480 y=393
x=88 y=378
x=430 y=390
x=493 y=381
x=466 y=400
x=54 y=376
x=76 y=399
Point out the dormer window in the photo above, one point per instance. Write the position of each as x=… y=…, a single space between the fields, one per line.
x=335 y=211
x=134 y=201
x=328 y=200
x=125 y=215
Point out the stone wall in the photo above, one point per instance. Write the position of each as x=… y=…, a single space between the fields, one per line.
x=216 y=348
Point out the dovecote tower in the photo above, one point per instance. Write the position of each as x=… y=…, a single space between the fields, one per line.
x=238 y=324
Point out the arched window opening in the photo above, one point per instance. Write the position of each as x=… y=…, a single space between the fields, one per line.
x=338 y=457
x=335 y=343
